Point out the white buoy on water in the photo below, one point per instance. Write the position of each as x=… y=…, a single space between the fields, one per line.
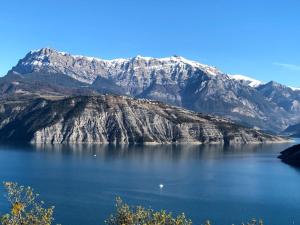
x=95 y=155
x=161 y=186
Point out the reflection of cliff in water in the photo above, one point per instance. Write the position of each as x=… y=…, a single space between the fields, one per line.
x=173 y=152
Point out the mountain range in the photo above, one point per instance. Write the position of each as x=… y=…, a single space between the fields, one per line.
x=173 y=80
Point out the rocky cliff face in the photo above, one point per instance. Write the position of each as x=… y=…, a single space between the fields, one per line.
x=173 y=80
x=117 y=119
x=285 y=97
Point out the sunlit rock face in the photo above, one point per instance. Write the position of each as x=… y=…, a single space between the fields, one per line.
x=117 y=119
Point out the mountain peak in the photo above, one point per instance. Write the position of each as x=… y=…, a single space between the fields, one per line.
x=47 y=51
x=275 y=84
x=43 y=51
x=87 y=69
x=171 y=58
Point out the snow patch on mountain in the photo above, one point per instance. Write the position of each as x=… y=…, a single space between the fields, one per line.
x=246 y=80
x=294 y=88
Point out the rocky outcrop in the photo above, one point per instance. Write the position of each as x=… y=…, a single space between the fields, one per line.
x=119 y=119
x=291 y=155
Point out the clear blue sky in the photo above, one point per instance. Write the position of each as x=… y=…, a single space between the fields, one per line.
x=258 y=38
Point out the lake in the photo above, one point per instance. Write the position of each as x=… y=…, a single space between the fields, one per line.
x=224 y=184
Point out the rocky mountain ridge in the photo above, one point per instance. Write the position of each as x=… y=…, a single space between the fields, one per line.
x=172 y=80
x=87 y=69
x=117 y=119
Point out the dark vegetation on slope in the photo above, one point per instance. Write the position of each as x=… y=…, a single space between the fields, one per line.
x=291 y=155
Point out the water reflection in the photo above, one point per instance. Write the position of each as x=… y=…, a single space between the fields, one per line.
x=226 y=184
x=170 y=152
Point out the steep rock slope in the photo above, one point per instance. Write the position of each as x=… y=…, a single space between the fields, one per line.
x=283 y=96
x=119 y=119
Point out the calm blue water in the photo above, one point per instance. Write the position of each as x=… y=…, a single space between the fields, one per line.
x=225 y=185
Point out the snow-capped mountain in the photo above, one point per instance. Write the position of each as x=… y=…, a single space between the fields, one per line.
x=173 y=80
x=255 y=83
x=246 y=80
x=295 y=88
x=285 y=97
x=86 y=69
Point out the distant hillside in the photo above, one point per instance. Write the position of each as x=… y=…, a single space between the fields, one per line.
x=293 y=130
